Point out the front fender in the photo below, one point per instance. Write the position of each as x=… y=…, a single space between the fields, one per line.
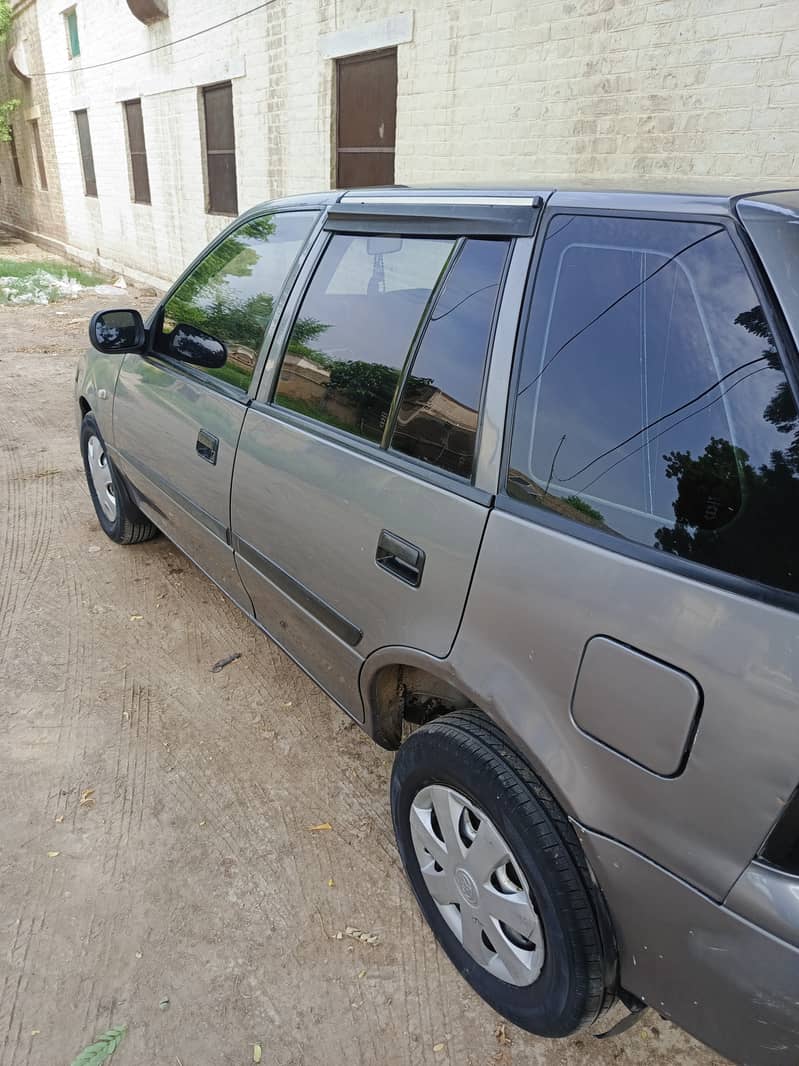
x=95 y=381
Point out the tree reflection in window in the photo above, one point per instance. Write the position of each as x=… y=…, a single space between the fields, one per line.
x=231 y=293
x=346 y=351
x=651 y=408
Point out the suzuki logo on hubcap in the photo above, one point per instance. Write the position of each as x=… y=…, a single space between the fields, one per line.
x=467 y=887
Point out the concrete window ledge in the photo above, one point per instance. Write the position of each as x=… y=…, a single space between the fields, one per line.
x=149 y=11
x=368 y=37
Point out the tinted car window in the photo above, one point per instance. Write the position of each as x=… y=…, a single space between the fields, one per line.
x=651 y=401
x=437 y=417
x=355 y=327
x=232 y=293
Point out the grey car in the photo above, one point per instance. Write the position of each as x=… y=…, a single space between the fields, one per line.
x=513 y=474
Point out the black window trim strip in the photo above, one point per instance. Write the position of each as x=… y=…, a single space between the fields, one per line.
x=427 y=318
x=706 y=575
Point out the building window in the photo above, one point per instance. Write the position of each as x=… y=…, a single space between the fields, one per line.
x=140 y=177
x=86 y=155
x=73 y=40
x=220 y=150
x=38 y=153
x=12 y=143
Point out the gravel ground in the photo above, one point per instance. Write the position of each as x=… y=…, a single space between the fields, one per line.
x=158 y=868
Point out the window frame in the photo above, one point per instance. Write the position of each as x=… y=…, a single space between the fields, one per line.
x=207 y=152
x=416 y=348
x=196 y=374
x=38 y=152
x=67 y=14
x=265 y=403
x=135 y=152
x=789 y=363
x=14 y=150
x=86 y=180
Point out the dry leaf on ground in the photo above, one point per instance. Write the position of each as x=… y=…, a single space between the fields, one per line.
x=322 y=827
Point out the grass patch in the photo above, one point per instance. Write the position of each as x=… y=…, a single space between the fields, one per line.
x=43 y=282
x=13 y=268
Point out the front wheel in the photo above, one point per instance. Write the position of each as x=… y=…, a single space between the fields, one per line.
x=116 y=512
x=499 y=875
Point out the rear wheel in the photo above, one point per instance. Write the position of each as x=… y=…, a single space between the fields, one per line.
x=116 y=512
x=499 y=875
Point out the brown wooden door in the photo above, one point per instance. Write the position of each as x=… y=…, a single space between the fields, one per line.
x=366 y=119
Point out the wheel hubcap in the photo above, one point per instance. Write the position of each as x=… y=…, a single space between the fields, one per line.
x=477 y=884
x=100 y=472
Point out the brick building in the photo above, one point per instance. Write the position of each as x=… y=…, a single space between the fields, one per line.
x=144 y=124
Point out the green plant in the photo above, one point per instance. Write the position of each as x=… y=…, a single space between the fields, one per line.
x=5 y=117
x=585 y=508
x=102 y=1049
x=5 y=19
x=8 y=105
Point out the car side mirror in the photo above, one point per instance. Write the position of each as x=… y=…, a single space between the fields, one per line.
x=117 y=331
x=195 y=346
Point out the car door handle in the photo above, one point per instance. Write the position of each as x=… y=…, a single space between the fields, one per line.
x=400 y=558
x=207 y=446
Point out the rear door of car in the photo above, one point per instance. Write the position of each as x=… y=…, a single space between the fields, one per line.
x=633 y=615
x=354 y=509
x=175 y=425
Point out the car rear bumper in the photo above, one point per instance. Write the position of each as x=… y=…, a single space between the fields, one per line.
x=717 y=974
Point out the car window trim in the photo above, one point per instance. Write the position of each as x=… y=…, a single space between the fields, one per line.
x=265 y=400
x=416 y=341
x=676 y=564
x=424 y=325
x=154 y=321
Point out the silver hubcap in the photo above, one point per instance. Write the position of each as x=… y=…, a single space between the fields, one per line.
x=477 y=885
x=101 y=477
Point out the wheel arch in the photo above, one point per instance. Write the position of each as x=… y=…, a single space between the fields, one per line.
x=390 y=675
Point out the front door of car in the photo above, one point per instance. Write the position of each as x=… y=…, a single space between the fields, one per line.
x=354 y=512
x=175 y=425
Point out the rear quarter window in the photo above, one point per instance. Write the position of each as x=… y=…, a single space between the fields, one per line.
x=651 y=403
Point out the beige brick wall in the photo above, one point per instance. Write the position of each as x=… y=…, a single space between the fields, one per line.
x=489 y=90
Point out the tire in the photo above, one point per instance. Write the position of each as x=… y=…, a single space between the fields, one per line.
x=571 y=968
x=118 y=515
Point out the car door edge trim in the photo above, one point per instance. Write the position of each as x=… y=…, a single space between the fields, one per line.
x=299 y=593
x=213 y=525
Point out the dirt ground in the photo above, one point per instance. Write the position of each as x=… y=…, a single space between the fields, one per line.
x=158 y=865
